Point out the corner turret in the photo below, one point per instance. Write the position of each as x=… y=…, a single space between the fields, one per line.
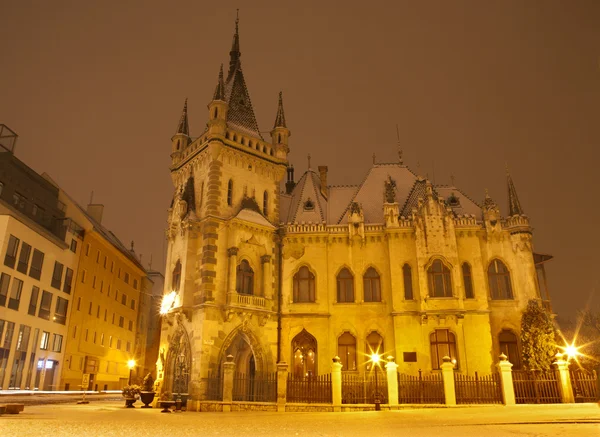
x=181 y=139
x=217 y=108
x=280 y=133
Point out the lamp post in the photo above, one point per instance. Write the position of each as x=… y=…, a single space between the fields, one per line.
x=375 y=359
x=131 y=365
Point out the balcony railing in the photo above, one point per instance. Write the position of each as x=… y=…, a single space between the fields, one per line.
x=246 y=300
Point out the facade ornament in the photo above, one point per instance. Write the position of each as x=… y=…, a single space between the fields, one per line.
x=390 y=190
x=265 y=259
x=232 y=251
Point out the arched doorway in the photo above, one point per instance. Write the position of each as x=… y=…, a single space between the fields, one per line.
x=243 y=355
x=179 y=363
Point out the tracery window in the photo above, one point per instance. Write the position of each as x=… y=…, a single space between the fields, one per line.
x=372 y=285
x=408 y=288
x=304 y=285
x=440 y=284
x=244 y=278
x=347 y=351
x=265 y=203
x=304 y=349
x=176 y=278
x=345 y=286
x=509 y=346
x=443 y=343
x=468 y=280
x=499 y=280
x=230 y=192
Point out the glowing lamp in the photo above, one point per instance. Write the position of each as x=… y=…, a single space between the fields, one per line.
x=571 y=351
x=375 y=358
x=167 y=302
x=131 y=364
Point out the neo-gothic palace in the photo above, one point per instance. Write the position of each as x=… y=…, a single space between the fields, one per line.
x=395 y=264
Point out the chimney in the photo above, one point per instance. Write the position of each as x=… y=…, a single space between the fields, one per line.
x=323 y=175
x=96 y=210
x=290 y=184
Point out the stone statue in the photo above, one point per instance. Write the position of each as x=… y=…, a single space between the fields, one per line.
x=390 y=190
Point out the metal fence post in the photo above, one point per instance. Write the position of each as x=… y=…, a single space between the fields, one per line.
x=336 y=384
x=392 y=381
x=282 y=376
x=228 y=369
x=506 y=380
x=448 y=377
x=566 y=389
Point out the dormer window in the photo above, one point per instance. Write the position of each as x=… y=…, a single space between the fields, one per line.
x=453 y=200
x=309 y=205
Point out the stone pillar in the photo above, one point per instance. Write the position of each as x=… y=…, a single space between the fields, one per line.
x=232 y=253
x=392 y=381
x=336 y=384
x=228 y=369
x=267 y=277
x=282 y=377
x=448 y=377
x=566 y=390
x=506 y=380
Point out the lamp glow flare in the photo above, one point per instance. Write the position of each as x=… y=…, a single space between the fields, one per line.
x=168 y=301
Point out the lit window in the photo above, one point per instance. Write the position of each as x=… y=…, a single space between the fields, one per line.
x=408 y=288
x=304 y=349
x=499 y=279
x=468 y=280
x=244 y=278
x=345 y=286
x=440 y=284
x=372 y=285
x=304 y=285
x=443 y=343
x=347 y=351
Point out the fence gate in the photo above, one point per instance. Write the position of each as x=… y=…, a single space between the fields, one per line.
x=536 y=387
x=421 y=389
x=255 y=388
x=478 y=389
x=309 y=389
x=585 y=385
x=214 y=387
x=364 y=389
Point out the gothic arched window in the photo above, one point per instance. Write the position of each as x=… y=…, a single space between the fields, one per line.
x=176 y=278
x=372 y=285
x=304 y=285
x=244 y=278
x=509 y=346
x=345 y=286
x=408 y=288
x=374 y=344
x=443 y=343
x=265 y=203
x=440 y=284
x=347 y=351
x=468 y=280
x=230 y=192
x=499 y=279
x=304 y=350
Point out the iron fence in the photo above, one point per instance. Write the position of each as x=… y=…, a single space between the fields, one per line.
x=421 y=389
x=309 y=389
x=255 y=388
x=536 y=387
x=364 y=388
x=585 y=385
x=477 y=389
x=214 y=387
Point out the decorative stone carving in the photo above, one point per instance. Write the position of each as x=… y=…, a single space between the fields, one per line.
x=390 y=190
x=232 y=251
x=265 y=259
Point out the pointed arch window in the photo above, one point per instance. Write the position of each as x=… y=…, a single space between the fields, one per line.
x=304 y=350
x=509 y=346
x=374 y=344
x=345 y=286
x=408 y=288
x=265 y=203
x=244 y=278
x=499 y=279
x=440 y=284
x=372 y=285
x=347 y=351
x=176 y=277
x=304 y=285
x=443 y=343
x=230 y=192
x=468 y=280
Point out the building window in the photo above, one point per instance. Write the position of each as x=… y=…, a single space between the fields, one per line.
x=304 y=285
x=128 y=346
x=102 y=339
x=112 y=266
x=443 y=343
x=499 y=279
x=23 y=264
x=19 y=200
x=45 y=340
x=98 y=312
x=57 y=343
x=87 y=332
x=408 y=288
x=68 y=281
x=94 y=282
x=304 y=350
x=132 y=304
x=468 y=280
x=440 y=284
x=347 y=351
x=126 y=278
x=123 y=299
x=37 y=261
x=345 y=286
x=130 y=325
x=135 y=284
x=11 y=252
x=265 y=203
x=4 y=282
x=110 y=341
x=372 y=285
x=244 y=278
x=98 y=256
x=509 y=346
x=230 y=192
x=15 y=294
x=121 y=321
x=176 y=278
x=83 y=276
x=45 y=305
x=57 y=275
x=79 y=304
x=73 y=245
x=90 y=309
x=119 y=343
x=87 y=249
x=33 y=300
x=105 y=261
x=74 y=331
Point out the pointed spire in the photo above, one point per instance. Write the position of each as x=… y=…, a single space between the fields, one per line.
x=220 y=89
x=234 y=54
x=183 y=127
x=280 y=118
x=488 y=202
x=514 y=206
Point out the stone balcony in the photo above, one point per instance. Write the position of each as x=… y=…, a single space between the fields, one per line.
x=246 y=300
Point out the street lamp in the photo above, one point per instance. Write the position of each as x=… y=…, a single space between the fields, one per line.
x=131 y=365
x=375 y=357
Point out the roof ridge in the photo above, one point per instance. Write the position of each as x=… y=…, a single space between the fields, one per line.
x=317 y=195
x=355 y=194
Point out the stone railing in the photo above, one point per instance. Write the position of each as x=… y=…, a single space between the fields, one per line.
x=246 y=300
x=516 y=220
x=465 y=221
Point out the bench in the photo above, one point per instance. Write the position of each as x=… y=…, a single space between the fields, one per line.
x=13 y=408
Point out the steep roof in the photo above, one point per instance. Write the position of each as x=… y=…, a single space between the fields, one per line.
x=307 y=204
x=183 y=126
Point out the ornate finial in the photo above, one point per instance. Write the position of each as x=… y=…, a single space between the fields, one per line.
x=234 y=54
x=309 y=161
x=514 y=206
x=488 y=202
x=280 y=118
x=373 y=158
x=390 y=190
x=183 y=127
x=399 y=147
x=220 y=89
